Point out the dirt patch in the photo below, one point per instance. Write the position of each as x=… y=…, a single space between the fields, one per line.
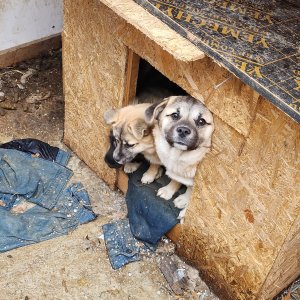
x=31 y=99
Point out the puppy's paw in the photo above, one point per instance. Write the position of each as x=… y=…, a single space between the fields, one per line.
x=150 y=175
x=147 y=178
x=131 y=167
x=181 y=201
x=181 y=215
x=165 y=192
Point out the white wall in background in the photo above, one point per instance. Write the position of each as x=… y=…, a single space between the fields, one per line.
x=24 y=21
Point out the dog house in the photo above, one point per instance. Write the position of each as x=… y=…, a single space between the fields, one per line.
x=242 y=226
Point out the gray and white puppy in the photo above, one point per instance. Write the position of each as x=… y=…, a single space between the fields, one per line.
x=182 y=132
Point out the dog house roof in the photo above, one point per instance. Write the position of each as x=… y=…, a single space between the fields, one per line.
x=258 y=42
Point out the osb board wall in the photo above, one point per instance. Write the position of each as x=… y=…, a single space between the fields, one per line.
x=238 y=220
x=246 y=196
x=165 y=37
x=287 y=265
x=94 y=77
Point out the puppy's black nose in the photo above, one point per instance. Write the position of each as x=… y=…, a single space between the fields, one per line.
x=183 y=131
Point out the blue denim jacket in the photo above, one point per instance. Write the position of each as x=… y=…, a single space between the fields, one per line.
x=58 y=209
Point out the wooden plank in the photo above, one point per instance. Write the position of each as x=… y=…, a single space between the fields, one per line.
x=122 y=181
x=132 y=71
x=182 y=49
x=29 y=50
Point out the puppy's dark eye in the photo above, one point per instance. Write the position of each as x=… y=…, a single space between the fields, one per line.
x=201 y=122
x=175 y=116
x=129 y=145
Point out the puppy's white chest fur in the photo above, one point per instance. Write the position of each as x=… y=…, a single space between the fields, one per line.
x=180 y=165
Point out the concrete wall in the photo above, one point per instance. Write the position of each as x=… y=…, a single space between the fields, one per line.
x=25 y=21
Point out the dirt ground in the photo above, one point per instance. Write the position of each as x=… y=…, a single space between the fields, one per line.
x=74 y=266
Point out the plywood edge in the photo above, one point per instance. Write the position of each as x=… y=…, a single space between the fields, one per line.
x=132 y=71
x=286 y=267
x=122 y=181
x=29 y=50
x=155 y=29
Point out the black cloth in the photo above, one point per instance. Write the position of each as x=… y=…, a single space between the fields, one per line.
x=150 y=216
x=33 y=146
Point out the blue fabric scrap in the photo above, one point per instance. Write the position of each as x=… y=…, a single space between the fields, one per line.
x=43 y=182
x=150 y=216
x=39 y=149
x=37 y=180
x=121 y=245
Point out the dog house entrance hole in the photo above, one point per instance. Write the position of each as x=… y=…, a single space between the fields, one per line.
x=146 y=84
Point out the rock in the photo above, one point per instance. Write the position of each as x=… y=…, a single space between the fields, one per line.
x=35 y=98
x=28 y=108
x=183 y=279
x=27 y=75
x=8 y=106
x=2 y=112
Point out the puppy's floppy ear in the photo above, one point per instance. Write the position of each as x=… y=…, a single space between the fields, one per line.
x=138 y=128
x=153 y=111
x=110 y=116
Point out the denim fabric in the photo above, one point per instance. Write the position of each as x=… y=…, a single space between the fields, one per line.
x=37 y=180
x=121 y=245
x=150 y=216
x=58 y=209
x=38 y=148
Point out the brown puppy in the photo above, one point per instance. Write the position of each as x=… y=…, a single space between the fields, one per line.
x=132 y=136
x=183 y=127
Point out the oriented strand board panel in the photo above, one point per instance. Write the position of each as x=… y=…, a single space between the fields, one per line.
x=94 y=65
x=287 y=265
x=156 y=30
x=241 y=226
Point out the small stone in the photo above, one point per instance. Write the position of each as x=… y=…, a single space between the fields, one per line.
x=8 y=106
x=2 y=94
x=20 y=86
x=2 y=112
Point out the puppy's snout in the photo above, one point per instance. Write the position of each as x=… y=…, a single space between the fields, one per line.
x=183 y=131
